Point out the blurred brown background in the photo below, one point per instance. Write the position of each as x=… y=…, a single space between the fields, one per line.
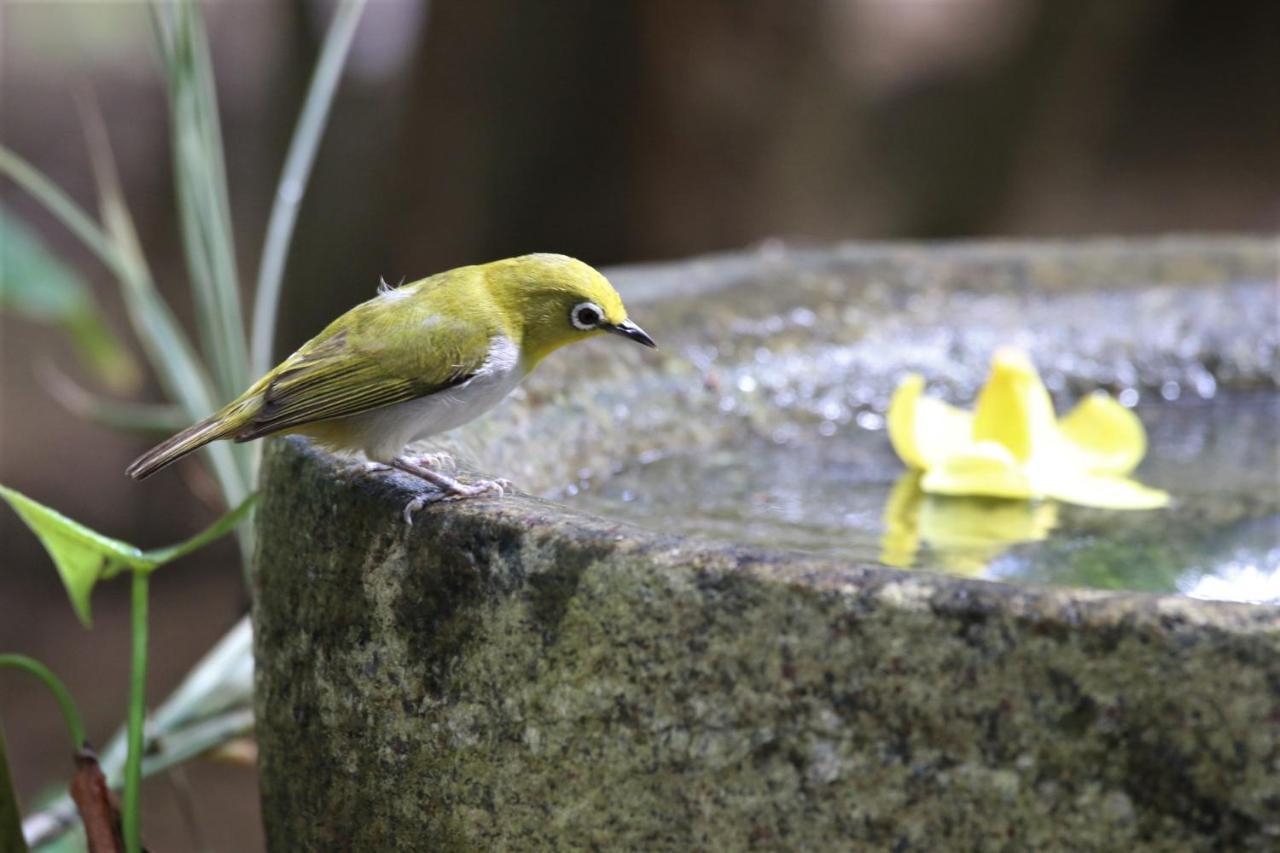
x=613 y=131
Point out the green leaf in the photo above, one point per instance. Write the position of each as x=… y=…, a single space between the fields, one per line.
x=10 y=817
x=83 y=556
x=37 y=285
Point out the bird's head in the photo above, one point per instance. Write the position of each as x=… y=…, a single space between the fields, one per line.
x=555 y=300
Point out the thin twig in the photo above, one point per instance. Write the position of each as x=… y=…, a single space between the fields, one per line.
x=99 y=812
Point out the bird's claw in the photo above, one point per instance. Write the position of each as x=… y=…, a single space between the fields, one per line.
x=498 y=488
x=437 y=461
x=419 y=502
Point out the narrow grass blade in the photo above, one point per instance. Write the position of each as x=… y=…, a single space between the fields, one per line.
x=61 y=206
x=167 y=347
x=163 y=340
x=294 y=177
x=160 y=334
x=159 y=418
x=200 y=178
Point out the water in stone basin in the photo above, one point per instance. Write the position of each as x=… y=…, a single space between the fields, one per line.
x=847 y=495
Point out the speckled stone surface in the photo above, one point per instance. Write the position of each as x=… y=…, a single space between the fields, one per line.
x=507 y=674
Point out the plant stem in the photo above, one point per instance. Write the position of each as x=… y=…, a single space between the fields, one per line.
x=293 y=179
x=137 y=717
x=10 y=818
x=70 y=713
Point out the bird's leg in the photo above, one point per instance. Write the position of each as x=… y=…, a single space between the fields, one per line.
x=447 y=486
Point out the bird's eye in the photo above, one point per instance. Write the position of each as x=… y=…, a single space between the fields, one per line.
x=586 y=315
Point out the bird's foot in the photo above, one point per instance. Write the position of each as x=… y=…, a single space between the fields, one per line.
x=447 y=488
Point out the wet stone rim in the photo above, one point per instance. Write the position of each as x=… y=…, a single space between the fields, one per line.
x=416 y=682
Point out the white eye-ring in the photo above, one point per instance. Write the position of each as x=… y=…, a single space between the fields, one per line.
x=586 y=315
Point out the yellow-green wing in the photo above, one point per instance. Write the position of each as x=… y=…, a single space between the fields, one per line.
x=368 y=365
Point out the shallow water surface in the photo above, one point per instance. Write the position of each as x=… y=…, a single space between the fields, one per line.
x=847 y=495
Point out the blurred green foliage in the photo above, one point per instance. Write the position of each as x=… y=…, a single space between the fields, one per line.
x=42 y=287
x=38 y=286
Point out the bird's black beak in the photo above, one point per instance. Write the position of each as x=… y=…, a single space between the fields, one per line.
x=630 y=330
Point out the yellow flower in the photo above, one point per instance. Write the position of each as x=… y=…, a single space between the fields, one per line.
x=1012 y=446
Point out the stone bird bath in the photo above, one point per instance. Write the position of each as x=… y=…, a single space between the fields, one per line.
x=531 y=674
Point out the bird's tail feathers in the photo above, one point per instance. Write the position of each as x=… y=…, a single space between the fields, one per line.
x=191 y=439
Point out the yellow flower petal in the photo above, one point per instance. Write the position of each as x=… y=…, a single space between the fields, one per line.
x=1105 y=492
x=924 y=431
x=1014 y=408
x=1108 y=438
x=901 y=538
x=987 y=468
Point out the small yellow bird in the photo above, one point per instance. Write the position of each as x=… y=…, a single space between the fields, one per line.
x=416 y=361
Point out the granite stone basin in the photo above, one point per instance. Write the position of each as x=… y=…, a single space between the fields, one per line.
x=678 y=646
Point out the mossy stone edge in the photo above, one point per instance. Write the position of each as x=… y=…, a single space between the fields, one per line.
x=507 y=674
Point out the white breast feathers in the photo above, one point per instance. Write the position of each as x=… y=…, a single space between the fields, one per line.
x=389 y=429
